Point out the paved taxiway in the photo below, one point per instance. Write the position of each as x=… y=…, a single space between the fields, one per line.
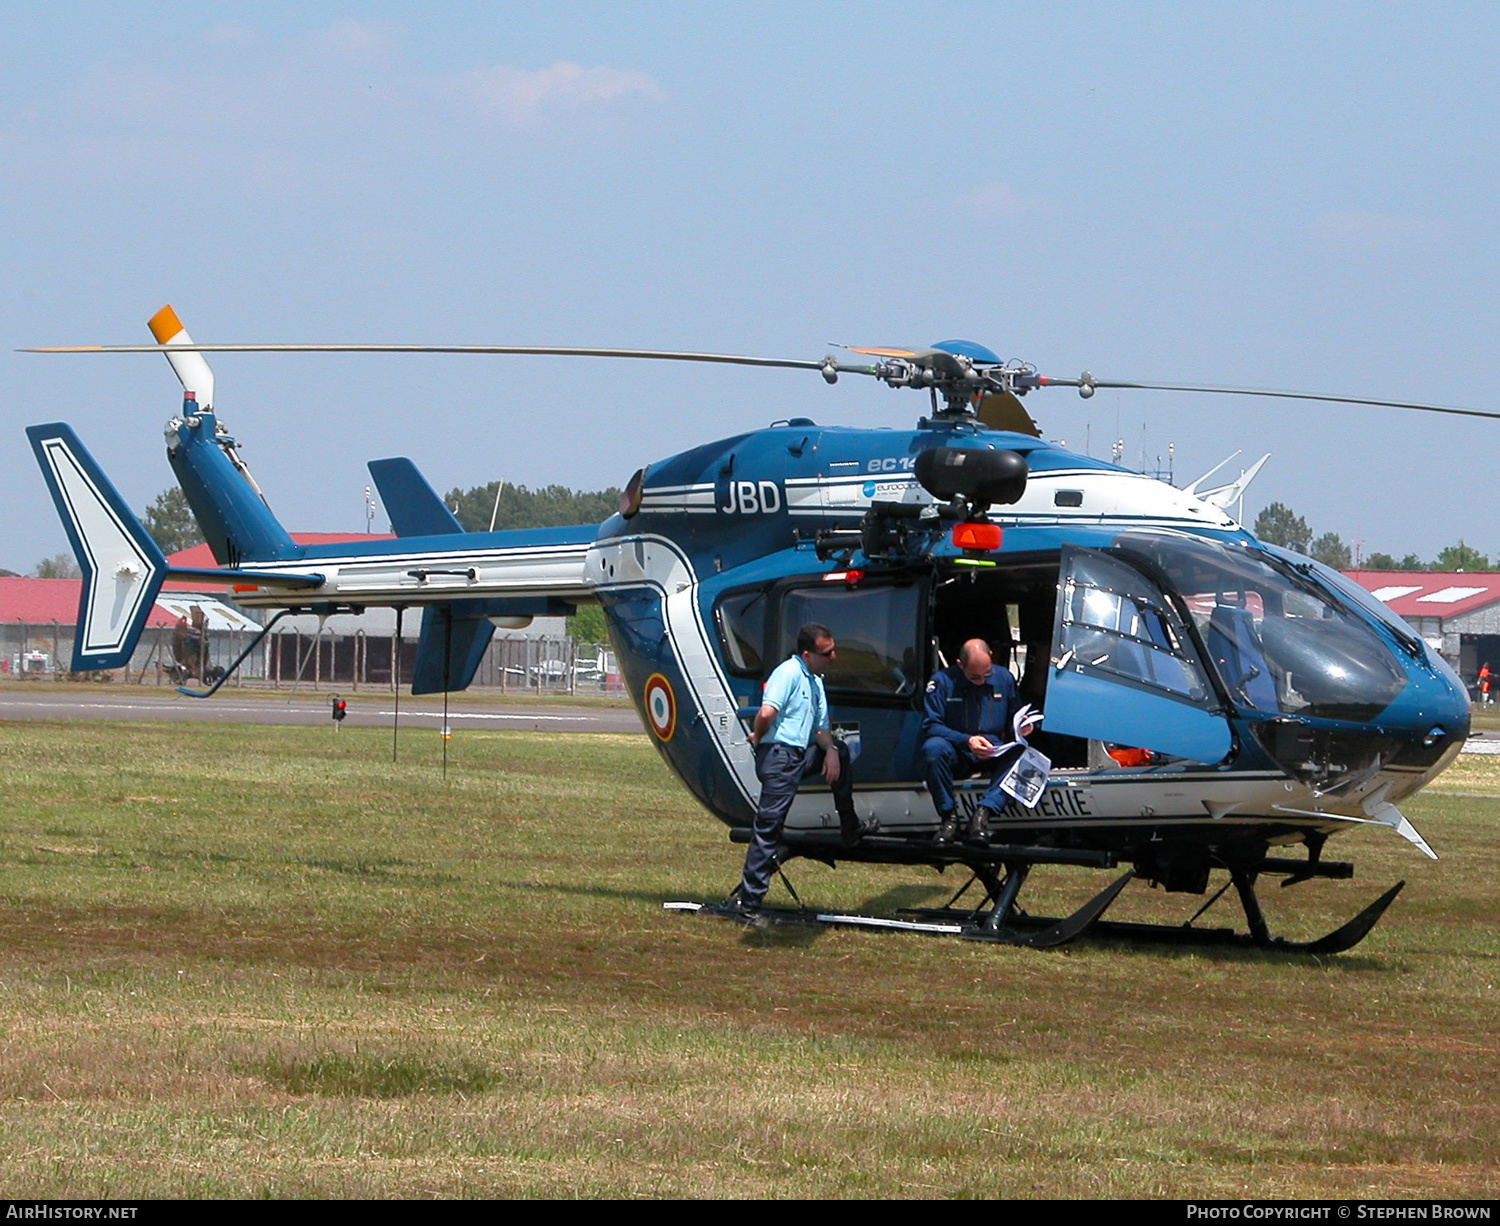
x=364 y=709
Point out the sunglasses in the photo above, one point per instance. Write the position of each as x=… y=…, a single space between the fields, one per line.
x=827 y=655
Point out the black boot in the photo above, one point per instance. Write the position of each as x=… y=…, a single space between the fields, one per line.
x=947 y=829
x=979 y=825
x=852 y=829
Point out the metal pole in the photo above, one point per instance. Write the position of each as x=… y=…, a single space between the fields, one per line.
x=396 y=681
x=447 y=667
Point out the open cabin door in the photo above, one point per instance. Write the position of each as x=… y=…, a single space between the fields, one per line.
x=1124 y=667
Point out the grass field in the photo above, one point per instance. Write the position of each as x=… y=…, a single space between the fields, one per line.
x=259 y=961
x=262 y=691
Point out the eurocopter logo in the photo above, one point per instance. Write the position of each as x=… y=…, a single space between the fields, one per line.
x=886 y=489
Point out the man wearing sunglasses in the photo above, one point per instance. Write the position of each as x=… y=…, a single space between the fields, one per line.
x=792 y=740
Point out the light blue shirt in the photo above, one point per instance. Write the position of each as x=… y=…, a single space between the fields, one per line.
x=800 y=701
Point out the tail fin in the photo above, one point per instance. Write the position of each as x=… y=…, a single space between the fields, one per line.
x=450 y=649
x=413 y=507
x=453 y=641
x=122 y=566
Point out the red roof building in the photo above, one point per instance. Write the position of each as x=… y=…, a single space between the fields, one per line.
x=200 y=557
x=1456 y=612
x=43 y=602
x=37 y=619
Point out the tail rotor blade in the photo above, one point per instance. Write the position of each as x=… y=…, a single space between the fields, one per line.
x=190 y=366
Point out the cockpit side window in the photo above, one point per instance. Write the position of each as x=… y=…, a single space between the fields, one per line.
x=878 y=629
x=1114 y=622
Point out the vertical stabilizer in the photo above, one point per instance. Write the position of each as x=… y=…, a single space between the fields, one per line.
x=450 y=649
x=414 y=508
x=122 y=566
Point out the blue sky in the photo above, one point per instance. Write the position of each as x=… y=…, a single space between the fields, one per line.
x=1279 y=195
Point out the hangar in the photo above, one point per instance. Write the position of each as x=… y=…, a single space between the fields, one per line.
x=1456 y=612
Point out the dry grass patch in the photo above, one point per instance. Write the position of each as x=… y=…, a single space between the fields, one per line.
x=277 y=963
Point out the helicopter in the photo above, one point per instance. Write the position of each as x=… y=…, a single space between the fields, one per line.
x=1212 y=703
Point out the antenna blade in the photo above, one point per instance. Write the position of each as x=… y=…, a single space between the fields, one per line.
x=1193 y=489
x=1224 y=497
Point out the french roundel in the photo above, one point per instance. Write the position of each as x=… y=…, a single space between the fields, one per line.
x=661 y=706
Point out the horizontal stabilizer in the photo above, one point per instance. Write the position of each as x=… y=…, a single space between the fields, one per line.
x=122 y=566
x=410 y=502
x=449 y=651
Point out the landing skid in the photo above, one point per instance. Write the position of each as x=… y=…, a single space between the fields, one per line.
x=998 y=920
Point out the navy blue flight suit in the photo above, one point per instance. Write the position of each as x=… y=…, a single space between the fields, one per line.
x=955 y=710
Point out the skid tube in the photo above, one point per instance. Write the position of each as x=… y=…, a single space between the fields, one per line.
x=1002 y=871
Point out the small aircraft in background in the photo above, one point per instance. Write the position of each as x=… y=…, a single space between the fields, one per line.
x=1212 y=703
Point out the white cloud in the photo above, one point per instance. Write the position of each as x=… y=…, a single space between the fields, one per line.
x=998 y=200
x=1360 y=230
x=232 y=34
x=360 y=42
x=292 y=116
x=520 y=99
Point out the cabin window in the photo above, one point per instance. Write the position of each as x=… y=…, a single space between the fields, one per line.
x=741 y=620
x=878 y=630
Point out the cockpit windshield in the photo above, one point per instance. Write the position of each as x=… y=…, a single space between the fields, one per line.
x=1281 y=643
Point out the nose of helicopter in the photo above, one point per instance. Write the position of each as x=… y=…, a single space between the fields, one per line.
x=1434 y=714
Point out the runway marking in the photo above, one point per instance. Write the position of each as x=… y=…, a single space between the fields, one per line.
x=452 y=715
x=277 y=708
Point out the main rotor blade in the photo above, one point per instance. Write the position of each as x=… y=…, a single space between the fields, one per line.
x=663 y=355
x=1261 y=391
x=825 y=365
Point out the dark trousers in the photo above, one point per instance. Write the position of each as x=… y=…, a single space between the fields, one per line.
x=781 y=768
x=943 y=762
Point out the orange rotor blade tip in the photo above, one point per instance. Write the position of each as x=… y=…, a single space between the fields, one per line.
x=165 y=325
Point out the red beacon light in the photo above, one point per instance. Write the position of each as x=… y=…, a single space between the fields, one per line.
x=850 y=577
x=976 y=537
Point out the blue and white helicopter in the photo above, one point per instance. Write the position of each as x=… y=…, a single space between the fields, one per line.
x=1211 y=702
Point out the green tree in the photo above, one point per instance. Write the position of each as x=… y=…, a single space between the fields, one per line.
x=552 y=506
x=1278 y=524
x=1330 y=550
x=1381 y=561
x=1412 y=562
x=58 y=566
x=1461 y=557
x=587 y=625
x=170 y=523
